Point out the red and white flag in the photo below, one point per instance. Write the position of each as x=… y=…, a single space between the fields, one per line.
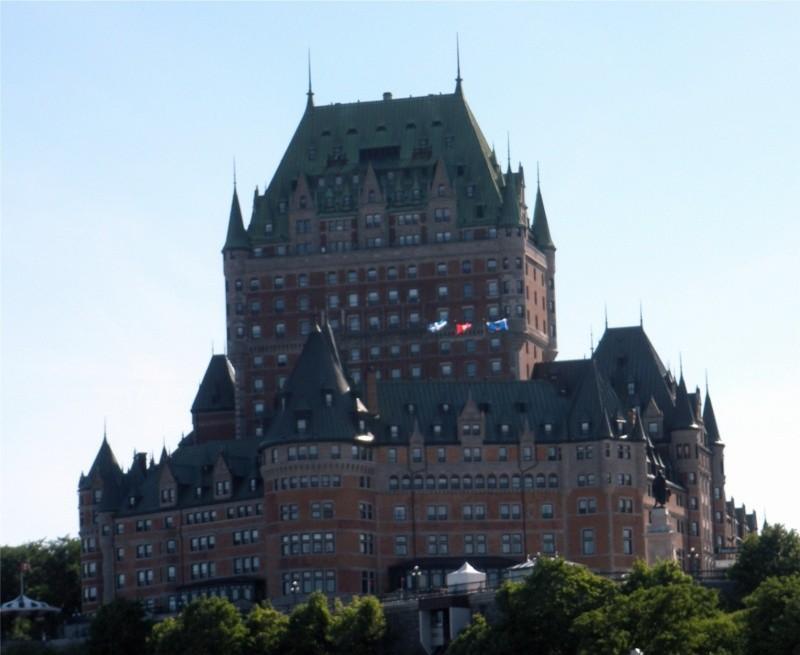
x=462 y=327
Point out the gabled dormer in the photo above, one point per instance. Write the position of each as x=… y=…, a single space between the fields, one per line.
x=416 y=448
x=222 y=478
x=471 y=423
x=371 y=193
x=653 y=419
x=302 y=201
x=441 y=187
x=167 y=484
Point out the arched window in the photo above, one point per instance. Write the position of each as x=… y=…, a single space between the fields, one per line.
x=479 y=483
x=541 y=481
x=406 y=482
x=516 y=481
x=442 y=482
x=467 y=482
x=455 y=482
x=552 y=480
x=504 y=481
x=491 y=482
x=529 y=482
x=418 y=482
x=393 y=483
x=430 y=482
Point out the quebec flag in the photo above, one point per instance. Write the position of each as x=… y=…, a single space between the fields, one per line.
x=497 y=326
x=435 y=327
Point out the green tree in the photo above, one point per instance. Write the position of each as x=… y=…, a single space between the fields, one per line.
x=266 y=630
x=772 y=617
x=309 y=627
x=661 y=610
x=478 y=638
x=119 y=628
x=774 y=552
x=359 y=627
x=208 y=626
x=537 y=615
x=54 y=575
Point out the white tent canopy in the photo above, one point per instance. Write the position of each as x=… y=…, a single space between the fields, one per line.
x=466 y=578
x=23 y=604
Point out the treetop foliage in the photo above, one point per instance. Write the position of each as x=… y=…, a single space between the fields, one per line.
x=774 y=552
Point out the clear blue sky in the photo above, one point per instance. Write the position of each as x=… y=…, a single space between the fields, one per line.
x=669 y=146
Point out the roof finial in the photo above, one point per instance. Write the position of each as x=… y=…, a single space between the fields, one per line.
x=706 y=383
x=310 y=93
x=234 y=172
x=508 y=148
x=537 y=173
x=641 y=317
x=605 y=311
x=591 y=341
x=105 y=431
x=680 y=363
x=458 y=66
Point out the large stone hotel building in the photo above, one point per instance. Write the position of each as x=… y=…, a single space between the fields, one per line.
x=391 y=402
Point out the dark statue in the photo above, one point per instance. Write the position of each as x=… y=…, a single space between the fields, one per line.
x=660 y=491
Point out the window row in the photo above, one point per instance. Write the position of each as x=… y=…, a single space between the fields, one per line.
x=491 y=481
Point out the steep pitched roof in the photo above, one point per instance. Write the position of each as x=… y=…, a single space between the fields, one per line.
x=511 y=209
x=237 y=236
x=105 y=463
x=317 y=373
x=217 y=390
x=710 y=420
x=540 y=230
x=683 y=416
x=401 y=134
x=594 y=401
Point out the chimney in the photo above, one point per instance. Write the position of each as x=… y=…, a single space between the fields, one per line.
x=371 y=390
x=387 y=95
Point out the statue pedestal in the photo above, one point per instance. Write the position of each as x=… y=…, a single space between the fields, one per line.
x=660 y=537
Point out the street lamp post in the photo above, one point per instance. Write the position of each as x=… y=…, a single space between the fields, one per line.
x=295 y=589
x=415 y=573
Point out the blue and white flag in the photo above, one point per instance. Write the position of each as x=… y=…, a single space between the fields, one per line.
x=435 y=327
x=497 y=326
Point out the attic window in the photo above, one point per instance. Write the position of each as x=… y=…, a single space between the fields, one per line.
x=98 y=495
x=394 y=431
x=410 y=408
x=548 y=428
x=470 y=190
x=584 y=427
x=504 y=429
x=302 y=426
x=328 y=399
x=445 y=407
x=198 y=492
x=131 y=501
x=253 y=483
x=437 y=429
x=652 y=427
x=380 y=128
x=631 y=388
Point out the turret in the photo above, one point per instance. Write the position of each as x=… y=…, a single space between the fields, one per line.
x=237 y=238
x=540 y=228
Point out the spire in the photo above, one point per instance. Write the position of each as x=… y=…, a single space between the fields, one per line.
x=309 y=93
x=709 y=419
x=508 y=150
x=511 y=210
x=458 y=67
x=540 y=228
x=605 y=313
x=641 y=316
x=237 y=238
x=684 y=416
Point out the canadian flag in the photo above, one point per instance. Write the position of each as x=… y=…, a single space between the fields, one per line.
x=462 y=327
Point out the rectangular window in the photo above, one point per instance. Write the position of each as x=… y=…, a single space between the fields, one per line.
x=627 y=541
x=587 y=541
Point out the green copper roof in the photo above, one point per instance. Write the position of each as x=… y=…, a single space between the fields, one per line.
x=710 y=420
x=237 y=235
x=540 y=229
x=403 y=139
x=216 y=392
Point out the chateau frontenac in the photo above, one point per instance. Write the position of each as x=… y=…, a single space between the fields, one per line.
x=391 y=405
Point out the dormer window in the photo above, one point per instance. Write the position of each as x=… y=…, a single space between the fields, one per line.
x=445 y=407
x=394 y=431
x=504 y=429
x=631 y=388
x=584 y=427
x=548 y=428
x=410 y=408
x=253 y=484
x=222 y=488
x=301 y=425
x=198 y=492
x=98 y=495
x=131 y=501
x=328 y=399
x=652 y=428
x=362 y=425
x=437 y=429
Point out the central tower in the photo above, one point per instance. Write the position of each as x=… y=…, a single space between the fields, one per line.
x=383 y=218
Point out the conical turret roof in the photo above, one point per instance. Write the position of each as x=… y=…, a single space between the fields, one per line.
x=540 y=228
x=237 y=236
x=511 y=211
x=684 y=416
x=217 y=390
x=710 y=420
